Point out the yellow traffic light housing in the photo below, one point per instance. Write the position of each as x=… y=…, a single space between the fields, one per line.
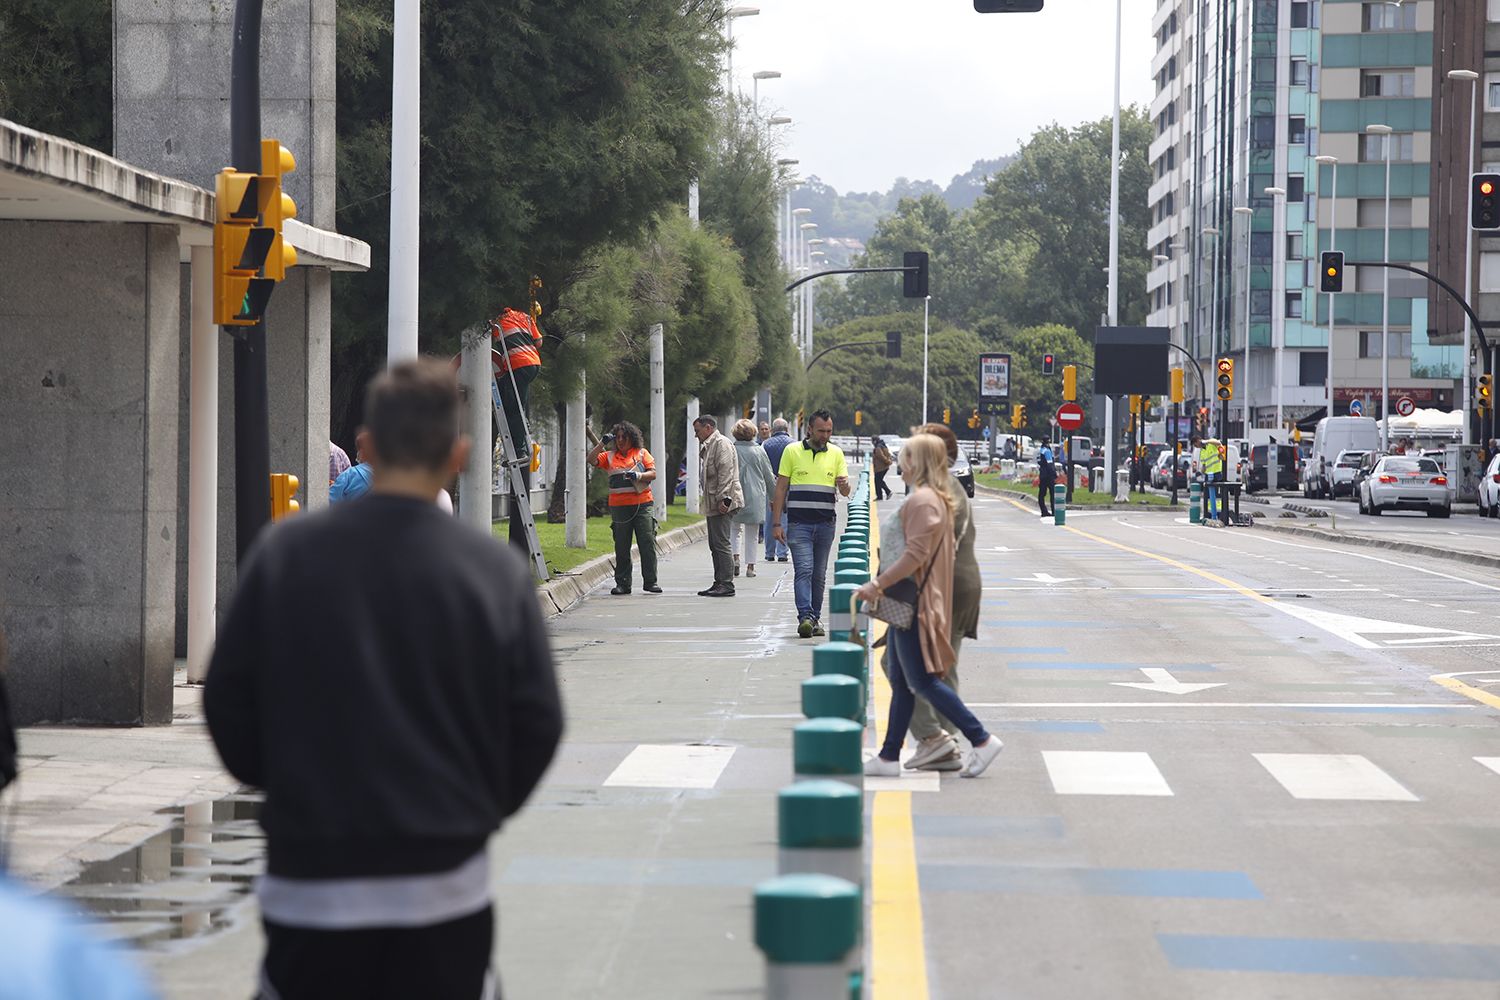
x=974 y=418
x=284 y=487
x=1070 y=383
x=277 y=206
x=1178 y=380
x=1485 y=393
x=1226 y=378
x=240 y=249
x=859 y=417
x=947 y=414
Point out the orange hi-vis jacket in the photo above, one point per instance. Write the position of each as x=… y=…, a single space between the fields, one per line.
x=622 y=492
x=519 y=339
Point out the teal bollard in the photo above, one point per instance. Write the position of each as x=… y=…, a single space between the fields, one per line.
x=845 y=658
x=829 y=748
x=851 y=562
x=833 y=696
x=820 y=829
x=1195 y=503
x=854 y=576
x=841 y=619
x=1059 y=503
x=808 y=927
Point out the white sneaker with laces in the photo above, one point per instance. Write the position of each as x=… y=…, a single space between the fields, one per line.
x=981 y=757
x=878 y=767
x=931 y=749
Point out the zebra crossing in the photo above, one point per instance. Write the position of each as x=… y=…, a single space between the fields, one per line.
x=1307 y=777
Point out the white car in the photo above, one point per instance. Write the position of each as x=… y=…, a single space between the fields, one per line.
x=1489 y=490
x=1342 y=479
x=1405 y=482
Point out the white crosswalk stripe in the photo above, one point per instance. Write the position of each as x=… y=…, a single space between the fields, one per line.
x=1104 y=772
x=1493 y=763
x=1336 y=776
x=653 y=766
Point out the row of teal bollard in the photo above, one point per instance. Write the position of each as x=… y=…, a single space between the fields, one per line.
x=809 y=920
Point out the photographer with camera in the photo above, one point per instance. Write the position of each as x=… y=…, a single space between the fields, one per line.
x=631 y=516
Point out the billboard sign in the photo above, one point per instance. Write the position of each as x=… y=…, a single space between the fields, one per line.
x=994 y=382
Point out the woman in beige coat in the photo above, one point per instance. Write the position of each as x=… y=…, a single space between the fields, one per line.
x=919 y=657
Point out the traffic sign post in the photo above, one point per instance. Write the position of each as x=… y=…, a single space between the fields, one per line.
x=1405 y=406
x=1070 y=417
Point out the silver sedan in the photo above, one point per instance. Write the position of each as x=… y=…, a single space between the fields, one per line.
x=1405 y=482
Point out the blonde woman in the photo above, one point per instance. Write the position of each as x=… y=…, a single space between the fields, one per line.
x=919 y=657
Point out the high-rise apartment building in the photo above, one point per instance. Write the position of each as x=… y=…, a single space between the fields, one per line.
x=1257 y=102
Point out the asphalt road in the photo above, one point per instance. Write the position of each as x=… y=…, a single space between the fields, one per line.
x=1294 y=808
x=1465 y=530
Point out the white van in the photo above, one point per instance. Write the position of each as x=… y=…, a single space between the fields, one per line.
x=1336 y=434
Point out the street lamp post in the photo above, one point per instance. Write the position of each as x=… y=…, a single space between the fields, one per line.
x=1472 y=77
x=730 y=16
x=1212 y=232
x=1332 y=163
x=1384 y=131
x=1248 y=214
x=807 y=333
x=1114 y=249
x=757 y=76
x=796 y=250
x=1278 y=309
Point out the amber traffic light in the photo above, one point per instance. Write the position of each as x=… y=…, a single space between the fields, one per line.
x=284 y=488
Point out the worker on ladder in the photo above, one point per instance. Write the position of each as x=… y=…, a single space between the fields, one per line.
x=520 y=343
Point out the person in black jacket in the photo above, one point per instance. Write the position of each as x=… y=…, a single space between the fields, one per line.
x=383 y=673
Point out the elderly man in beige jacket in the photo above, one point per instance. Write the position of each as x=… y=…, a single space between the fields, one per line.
x=722 y=496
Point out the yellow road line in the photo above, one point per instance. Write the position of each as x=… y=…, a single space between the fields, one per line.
x=1459 y=687
x=898 y=945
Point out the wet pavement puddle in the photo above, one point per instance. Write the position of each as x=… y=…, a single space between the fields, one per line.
x=180 y=883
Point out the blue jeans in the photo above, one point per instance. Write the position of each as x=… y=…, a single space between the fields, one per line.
x=810 y=544
x=907 y=672
x=1211 y=494
x=774 y=549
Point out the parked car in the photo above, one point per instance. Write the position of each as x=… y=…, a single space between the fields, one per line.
x=1258 y=477
x=964 y=473
x=1161 y=476
x=1405 y=482
x=1489 y=490
x=1341 y=475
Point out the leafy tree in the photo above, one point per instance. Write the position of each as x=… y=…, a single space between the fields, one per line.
x=1043 y=393
x=56 y=74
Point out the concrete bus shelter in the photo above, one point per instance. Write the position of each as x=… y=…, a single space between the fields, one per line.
x=105 y=343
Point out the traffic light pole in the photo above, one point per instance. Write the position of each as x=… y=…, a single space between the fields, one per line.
x=839 y=347
x=252 y=432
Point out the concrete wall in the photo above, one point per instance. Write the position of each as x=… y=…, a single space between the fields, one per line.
x=172 y=69
x=88 y=444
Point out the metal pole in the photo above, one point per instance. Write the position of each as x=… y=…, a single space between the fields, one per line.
x=406 y=170
x=1278 y=304
x=926 y=314
x=659 y=417
x=1333 y=244
x=575 y=501
x=1114 y=247
x=1385 y=312
x=1249 y=237
x=476 y=484
x=252 y=431
x=1468 y=437
x=692 y=458
x=203 y=468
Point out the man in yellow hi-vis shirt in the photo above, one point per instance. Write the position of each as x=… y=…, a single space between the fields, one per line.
x=1211 y=461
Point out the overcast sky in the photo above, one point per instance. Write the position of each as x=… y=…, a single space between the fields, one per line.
x=880 y=89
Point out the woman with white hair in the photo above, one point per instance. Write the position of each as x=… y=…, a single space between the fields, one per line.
x=920 y=655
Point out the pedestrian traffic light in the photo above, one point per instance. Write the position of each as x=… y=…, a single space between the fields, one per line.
x=893 y=343
x=1484 y=201
x=284 y=487
x=859 y=417
x=1049 y=364
x=1332 y=274
x=1485 y=394
x=241 y=246
x=276 y=205
x=1226 y=378
x=1177 y=385
x=947 y=415
x=1070 y=382
x=914 y=281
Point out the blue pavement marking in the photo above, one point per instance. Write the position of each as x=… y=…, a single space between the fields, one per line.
x=1056 y=727
x=637 y=871
x=1155 y=883
x=1047 y=827
x=1038 y=623
x=1038 y=650
x=1416 y=960
x=1385 y=709
x=1085 y=665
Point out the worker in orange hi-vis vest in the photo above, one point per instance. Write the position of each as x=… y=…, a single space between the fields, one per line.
x=519 y=344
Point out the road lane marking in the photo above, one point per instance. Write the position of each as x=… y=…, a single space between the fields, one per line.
x=1493 y=763
x=1333 y=776
x=1104 y=772
x=1452 y=683
x=674 y=766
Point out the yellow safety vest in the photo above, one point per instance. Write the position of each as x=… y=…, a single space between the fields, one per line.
x=1211 y=459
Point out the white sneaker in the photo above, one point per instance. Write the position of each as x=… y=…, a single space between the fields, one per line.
x=931 y=749
x=981 y=757
x=878 y=767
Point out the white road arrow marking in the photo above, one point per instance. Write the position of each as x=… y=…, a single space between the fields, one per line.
x=1163 y=681
x=1006 y=548
x=1373 y=633
x=1048 y=578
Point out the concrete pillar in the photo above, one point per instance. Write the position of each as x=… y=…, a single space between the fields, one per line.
x=203 y=468
x=659 y=421
x=575 y=527
x=474 y=504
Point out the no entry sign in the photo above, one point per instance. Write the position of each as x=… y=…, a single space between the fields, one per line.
x=1070 y=416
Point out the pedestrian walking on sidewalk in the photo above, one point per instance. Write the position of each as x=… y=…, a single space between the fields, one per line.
x=722 y=496
x=921 y=656
x=937 y=749
x=881 y=461
x=811 y=473
x=632 y=509
x=393 y=723
x=757 y=482
x=1046 y=475
x=776 y=444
